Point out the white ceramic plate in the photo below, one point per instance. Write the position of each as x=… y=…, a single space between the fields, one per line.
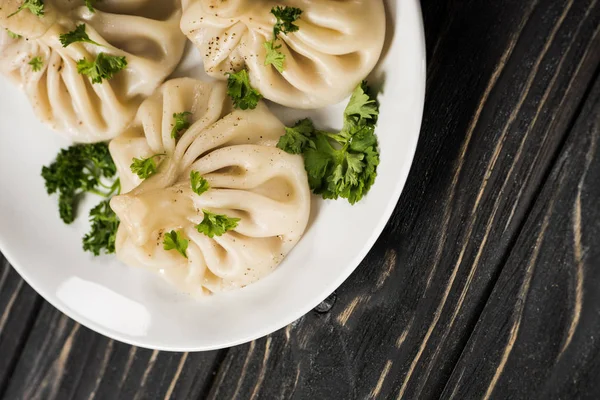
x=137 y=307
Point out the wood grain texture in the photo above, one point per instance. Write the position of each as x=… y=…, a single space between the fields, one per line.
x=539 y=334
x=506 y=80
x=18 y=308
x=63 y=360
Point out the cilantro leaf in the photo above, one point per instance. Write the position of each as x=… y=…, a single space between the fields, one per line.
x=144 y=167
x=298 y=138
x=180 y=123
x=318 y=162
x=36 y=64
x=13 y=35
x=104 y=67
x=77 y=170
x=199 y=184
x=36 y=7
x=244 y=96
x=274 y=56
x=103 y=234
x=216 y=224
x=76 y=35
x=340 y=164
x=286 y=16
x=174 y=241
x=90 y=5
x=361 y=106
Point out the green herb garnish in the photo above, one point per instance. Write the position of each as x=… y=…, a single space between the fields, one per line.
x=216 y=224
x=13 y=35
x=76 y=35
x=77 y=170
x=199 y=184
x=340 y=164
x=36 y=64
x=286 y=16
x=274 y=56
x=90 y=5
x=144 y=167
x=174 y=241
x=103 y=234
x=244 y=96
x=84 y=169
x=103 y=67
x=36 y=7
x=180 y=123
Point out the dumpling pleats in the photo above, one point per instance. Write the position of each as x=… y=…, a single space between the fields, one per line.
x=337 y=45
x=68 y=101
x=249 y=179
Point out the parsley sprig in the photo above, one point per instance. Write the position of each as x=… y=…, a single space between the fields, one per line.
x=180 y=123
x=13 y=35
x=340 y=164
x=84 y=169
x=36 y=63
x=90 y=5
x=78 y=170
x=216 y=224
x=76 y=35
x=145 y=167
x=36 y=7
x=103 y=67
x=286 y=16
x=274 y=56
x=244 y=96
x=103 y=233
x=198 y=183
x=174 y=240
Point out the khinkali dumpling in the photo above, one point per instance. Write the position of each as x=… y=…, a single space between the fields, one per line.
x=250 y=179
x=338 y=44
x=145 y=32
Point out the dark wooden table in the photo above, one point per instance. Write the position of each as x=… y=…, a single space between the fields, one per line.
x=485 y=283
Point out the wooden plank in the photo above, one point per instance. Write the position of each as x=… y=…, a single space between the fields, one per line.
x=18 y=308
x=63 y=360
x=505 y=81
x=539 y=333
